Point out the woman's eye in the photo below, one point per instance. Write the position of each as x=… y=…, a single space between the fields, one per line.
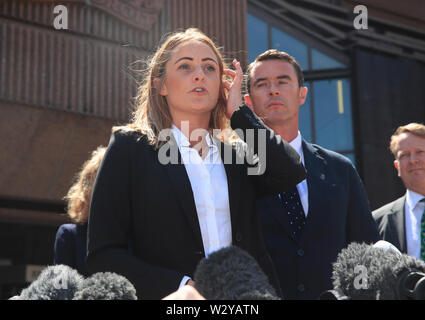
x=209 y=68
x=184 y=66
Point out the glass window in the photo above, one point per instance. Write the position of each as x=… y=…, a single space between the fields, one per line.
x=328 y=102
x=332 y=114
x=322 y=61
x=257 y=37
x=305 y=117
x=284 y=42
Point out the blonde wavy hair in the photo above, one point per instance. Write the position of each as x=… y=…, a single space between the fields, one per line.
x=79 y=195
x=152 y=113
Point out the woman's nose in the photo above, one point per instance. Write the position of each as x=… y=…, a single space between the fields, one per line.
x=199 y=74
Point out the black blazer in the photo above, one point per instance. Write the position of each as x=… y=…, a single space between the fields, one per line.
x=71 y=246
x=139 y=199
x=391 y=223
x=338 y=213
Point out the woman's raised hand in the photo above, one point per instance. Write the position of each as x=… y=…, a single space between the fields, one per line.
x=234 y=99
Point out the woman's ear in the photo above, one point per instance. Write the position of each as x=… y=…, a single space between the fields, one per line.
x=162 y=89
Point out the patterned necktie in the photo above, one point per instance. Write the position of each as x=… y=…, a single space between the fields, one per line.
x=292 y=203
x=423 y=234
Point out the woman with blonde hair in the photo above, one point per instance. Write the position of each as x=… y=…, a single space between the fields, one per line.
x=71 y=239
x=166 y=185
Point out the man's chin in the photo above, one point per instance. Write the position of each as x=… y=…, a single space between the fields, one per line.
x=416 y=183
x=277 y=116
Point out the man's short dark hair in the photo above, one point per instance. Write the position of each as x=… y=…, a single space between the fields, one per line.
x=274 y=54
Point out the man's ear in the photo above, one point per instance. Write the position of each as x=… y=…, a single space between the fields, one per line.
x=248 y=101
x=396 y=165
x=303 y=95
x=162 y=89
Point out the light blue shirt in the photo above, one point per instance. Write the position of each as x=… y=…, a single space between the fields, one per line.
x=413 y=211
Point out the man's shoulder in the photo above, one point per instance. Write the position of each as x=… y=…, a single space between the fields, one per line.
x=127 y=133
x=68 y=227
x=328 y=155
x=388 y=208
x=66 y=230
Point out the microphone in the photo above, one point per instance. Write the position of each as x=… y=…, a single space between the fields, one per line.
x=385 y=245
x=360 y=269
x=333 y=295
x=406 y=279
x=58 y=282
x=106 y=286
x=232 y=274
x=377 y=272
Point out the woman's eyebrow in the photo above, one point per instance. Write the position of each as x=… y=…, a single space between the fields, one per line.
x=183 y=58
x=210 y=59
x=191 y=59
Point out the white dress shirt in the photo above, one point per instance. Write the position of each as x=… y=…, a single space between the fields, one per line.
x=302 y=186
x=210 y=191
x=413 y=211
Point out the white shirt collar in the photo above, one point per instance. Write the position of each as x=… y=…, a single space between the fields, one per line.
x=183 y=141
x=412 y=198
x=297 y=145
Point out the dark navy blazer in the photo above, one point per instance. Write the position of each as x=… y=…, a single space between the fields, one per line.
x=71 y=247
x=339 y=213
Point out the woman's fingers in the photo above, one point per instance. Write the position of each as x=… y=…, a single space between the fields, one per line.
x=236 y=75
x=234 y=87
x=227 y=85
x=238 y=69
x=229 y=72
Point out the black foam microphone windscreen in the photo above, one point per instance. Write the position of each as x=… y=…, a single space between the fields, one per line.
x=232 y=274
x=394 y=276
x=360 y=270
x=106 y=286
x=58 y=282
x=378 y=272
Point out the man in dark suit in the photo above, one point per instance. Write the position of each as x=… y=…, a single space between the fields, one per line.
x=402 y=221
x=306 y=228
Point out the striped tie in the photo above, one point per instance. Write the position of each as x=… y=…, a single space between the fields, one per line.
x=423 y=234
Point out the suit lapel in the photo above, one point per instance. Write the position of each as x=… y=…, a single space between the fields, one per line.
x=396 y=223
x=273 y=206
x=317 y=186
x=183 y=190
